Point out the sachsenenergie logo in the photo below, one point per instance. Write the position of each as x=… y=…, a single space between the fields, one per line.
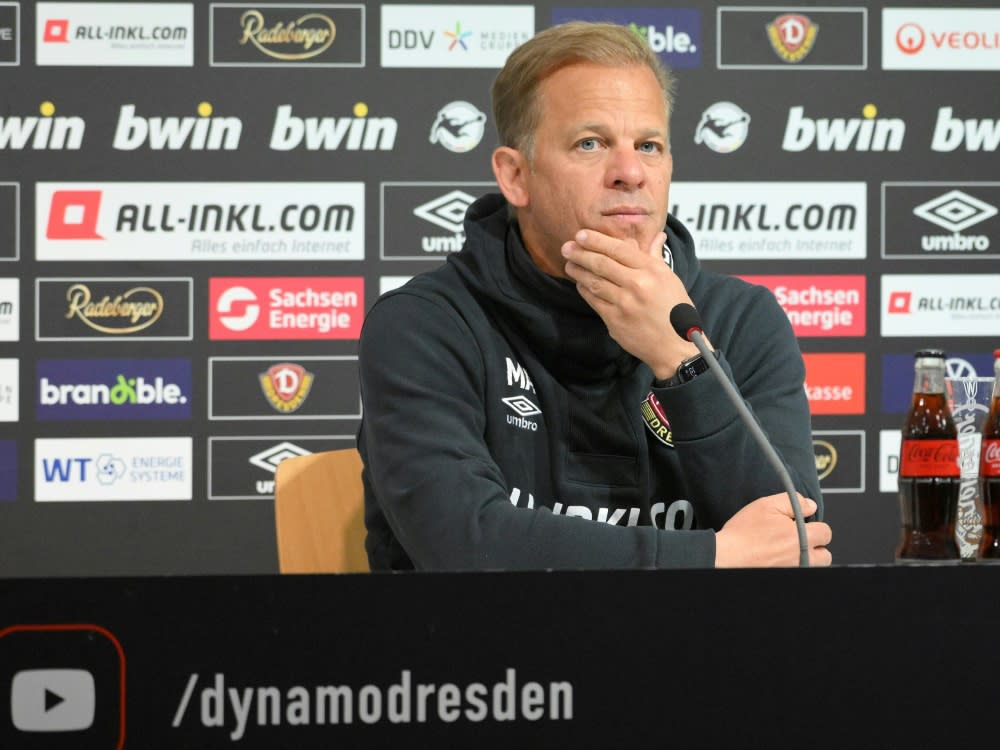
x=306 y=307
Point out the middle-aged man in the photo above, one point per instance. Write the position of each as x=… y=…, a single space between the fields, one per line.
x=525 y=404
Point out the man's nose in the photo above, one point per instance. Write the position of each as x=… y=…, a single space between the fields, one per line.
x=625 y=169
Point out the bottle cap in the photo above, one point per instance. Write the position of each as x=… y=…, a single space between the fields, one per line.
x=932 y=353
x=996 y=354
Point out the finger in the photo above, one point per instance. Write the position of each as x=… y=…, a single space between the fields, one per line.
x=656 y=247
x=620 y=251
x=590 y=285
x=818 y=534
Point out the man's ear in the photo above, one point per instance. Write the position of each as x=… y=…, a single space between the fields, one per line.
x=510 y=169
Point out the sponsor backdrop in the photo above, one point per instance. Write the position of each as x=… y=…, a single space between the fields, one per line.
x=200 y=201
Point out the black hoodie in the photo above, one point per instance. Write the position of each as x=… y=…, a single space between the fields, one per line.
x=503 y=428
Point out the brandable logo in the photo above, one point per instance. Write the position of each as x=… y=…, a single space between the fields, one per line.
x=287 y=35
x=674 y=34
x=113 y=309
x=102 y=389
x=792 y=36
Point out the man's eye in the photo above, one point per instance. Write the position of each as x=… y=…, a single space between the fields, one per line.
x=649 y=147
x=588 y=144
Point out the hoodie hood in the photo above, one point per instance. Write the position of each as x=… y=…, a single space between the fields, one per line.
x=565 y=333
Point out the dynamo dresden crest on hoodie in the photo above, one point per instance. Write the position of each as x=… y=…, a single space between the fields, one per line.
x=656 y=420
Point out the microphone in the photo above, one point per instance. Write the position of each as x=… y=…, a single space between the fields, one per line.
x=687 y=323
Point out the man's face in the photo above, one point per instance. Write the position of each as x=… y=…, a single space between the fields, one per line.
x=600 y=160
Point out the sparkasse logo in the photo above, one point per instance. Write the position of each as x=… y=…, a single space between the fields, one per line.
x=306 y=307
x=835 y=383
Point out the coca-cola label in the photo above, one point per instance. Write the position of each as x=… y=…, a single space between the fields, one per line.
x=929 y=458
x=990 y=458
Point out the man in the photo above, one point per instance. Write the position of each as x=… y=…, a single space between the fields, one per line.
x=522 y=404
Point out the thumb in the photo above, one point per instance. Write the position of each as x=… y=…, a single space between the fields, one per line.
x=656 y=247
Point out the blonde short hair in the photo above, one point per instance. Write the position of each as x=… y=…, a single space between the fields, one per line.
x=516 y=106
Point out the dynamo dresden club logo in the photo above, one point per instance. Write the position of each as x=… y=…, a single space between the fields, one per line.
x=286 y=386
x=792 y=36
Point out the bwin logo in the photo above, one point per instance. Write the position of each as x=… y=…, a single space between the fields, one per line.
x=201 y=133
x=867 y=133
x=42 y=133
x=517 y=375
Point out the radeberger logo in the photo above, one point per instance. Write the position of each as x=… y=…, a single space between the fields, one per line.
x=286 y=386
x=132 y=311
x=308 y=36
x=826 y=458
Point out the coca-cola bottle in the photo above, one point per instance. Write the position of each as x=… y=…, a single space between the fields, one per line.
x=929 y=479
x=989 y=473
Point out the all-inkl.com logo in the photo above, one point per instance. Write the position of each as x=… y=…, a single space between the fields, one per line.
x=102 y=389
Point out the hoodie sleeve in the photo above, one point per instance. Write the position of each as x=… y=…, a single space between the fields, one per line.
x=434 y=494
x=759 y=350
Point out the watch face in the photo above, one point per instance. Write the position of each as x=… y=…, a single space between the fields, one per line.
x=691 y=368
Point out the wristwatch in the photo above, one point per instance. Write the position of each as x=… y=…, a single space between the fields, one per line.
x=691 y=368
x=687 y=370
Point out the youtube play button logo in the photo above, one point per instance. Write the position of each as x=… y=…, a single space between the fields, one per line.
x=52 y=700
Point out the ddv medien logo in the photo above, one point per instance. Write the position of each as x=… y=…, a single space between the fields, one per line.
x=102 y=389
